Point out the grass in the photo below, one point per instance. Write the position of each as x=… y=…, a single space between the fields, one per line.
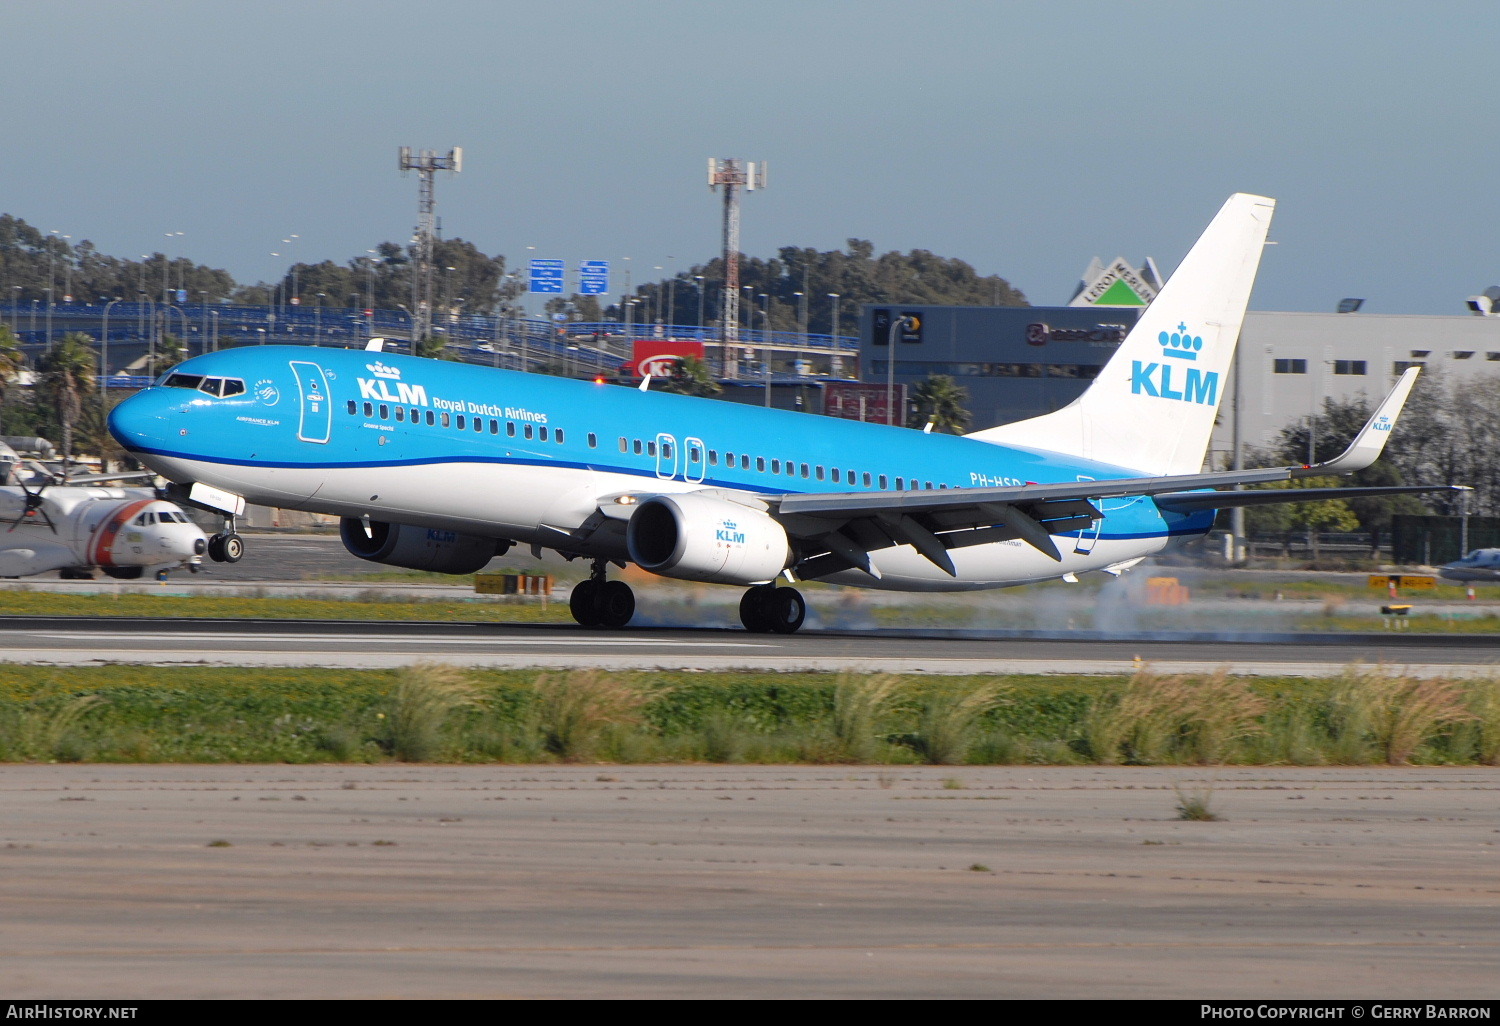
x=372 y=605
x=122 y=713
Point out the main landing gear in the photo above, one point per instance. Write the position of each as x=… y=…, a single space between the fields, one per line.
x=597 y=602
x=226 y=546
x=767 y=609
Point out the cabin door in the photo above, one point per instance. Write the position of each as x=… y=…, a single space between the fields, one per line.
x=317 y=412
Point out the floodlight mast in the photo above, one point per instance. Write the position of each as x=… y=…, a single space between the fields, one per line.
x=734 y=175
x=426 y=164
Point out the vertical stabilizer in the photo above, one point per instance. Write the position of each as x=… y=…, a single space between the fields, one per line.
x=1152 y=408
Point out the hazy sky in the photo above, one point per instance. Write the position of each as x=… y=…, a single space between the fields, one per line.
x=1023 y=137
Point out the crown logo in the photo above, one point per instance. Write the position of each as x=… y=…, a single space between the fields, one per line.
x=380 y=370
x=1179 y=345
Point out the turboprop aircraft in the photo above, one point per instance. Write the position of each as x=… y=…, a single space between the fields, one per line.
x=75 y=527
x=442 y=466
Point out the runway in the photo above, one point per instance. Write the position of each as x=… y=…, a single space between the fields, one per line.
x=86 y=641
x=402 y=881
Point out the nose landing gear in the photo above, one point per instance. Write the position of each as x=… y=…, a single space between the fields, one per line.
x=767 y=609
x=226 y=546
x=597 y=602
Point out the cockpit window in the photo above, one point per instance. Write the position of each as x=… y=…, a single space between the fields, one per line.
x=183 y=381
x=209 y=386
x=144 y=519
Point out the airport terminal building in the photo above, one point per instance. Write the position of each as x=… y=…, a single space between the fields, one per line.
x=1019 y=362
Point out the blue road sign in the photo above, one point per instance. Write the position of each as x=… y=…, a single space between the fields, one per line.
x=593 y=277
x=546 y=276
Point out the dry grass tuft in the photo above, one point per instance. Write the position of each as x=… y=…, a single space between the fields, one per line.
x=575 y=710
x=426 y=695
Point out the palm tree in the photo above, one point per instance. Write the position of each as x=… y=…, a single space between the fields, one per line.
x=692 y=377
x=66 y=381
x=12 y=360
x=170 y=351
x=938 y=399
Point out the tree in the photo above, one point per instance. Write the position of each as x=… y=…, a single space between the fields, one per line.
x=1310 y=517
x=12 y=360
x=66 y=381
x=691 y=376
x=939 y=399
x=170 y=351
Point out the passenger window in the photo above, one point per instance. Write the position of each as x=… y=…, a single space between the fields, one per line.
x=510 y=428
x=760 y=464
x=867 y=479
x=775 y=466
x=460 y=421
x=558 y=435
x=416 y=414
x=431 y=420
x=623 y=446
x=694 y=456
x=637 y=446
x=478 y=423
x=527 y=431
x=835 y=475
x=713 y=457
x=541 y=433
x=819 y=470
x=666 y=450
x=385 y=412
x=744 y=462
x=882 y=482
x=593 y=440
x=806 y=470
x=353 y=406
x=650 y=448
x=900 y=485
x=447 y=420
x=401 y=413
x=369 y=409
x=494 y=427
x=929 y=486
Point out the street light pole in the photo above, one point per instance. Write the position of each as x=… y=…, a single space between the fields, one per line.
x=899 y=324
x=104 y=351
x=836 y=365
x=699 y=279
x=765 y=325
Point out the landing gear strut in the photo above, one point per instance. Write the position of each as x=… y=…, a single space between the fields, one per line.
x=226 y=546
x=597 y=602
x=767 y=609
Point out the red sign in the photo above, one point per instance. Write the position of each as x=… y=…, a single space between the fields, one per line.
x=859 y=401
x=660 y=358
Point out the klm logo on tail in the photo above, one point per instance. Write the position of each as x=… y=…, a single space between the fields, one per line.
x=1155 y=379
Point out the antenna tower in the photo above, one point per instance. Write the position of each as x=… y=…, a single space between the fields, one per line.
x=734 y=175
x=426 y=164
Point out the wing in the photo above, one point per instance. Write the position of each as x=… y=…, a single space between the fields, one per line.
x=842 y=528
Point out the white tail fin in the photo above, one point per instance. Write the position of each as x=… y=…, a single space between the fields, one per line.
x=1153 y=405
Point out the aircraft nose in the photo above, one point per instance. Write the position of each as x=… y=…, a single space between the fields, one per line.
x=144 y=422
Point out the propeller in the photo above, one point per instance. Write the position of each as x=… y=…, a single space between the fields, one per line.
x=33 y=505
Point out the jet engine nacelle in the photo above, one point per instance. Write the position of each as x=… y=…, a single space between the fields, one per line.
x=701 y=538
x=419 y=548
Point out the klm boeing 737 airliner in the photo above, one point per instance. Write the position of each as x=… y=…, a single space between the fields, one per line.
x=442 y=466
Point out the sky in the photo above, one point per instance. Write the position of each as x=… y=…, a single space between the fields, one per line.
x=1023 y=137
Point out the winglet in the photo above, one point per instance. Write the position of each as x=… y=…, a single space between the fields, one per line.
x=1368 y=444
x=375 y=345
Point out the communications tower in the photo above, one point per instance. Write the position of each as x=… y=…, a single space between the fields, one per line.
x=734 y=175
x=426 y=164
